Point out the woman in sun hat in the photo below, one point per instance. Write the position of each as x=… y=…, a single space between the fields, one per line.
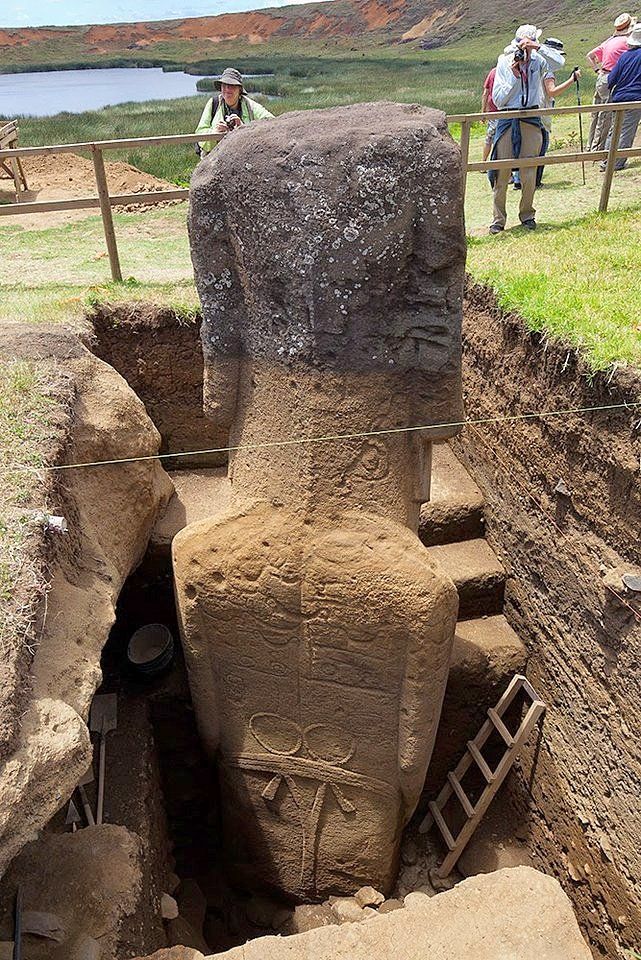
x=624 y=81
x=230 y=109
x=603 y=59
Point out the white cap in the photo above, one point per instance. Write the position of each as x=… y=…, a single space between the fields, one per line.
x=527 y=31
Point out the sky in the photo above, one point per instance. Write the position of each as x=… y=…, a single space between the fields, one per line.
x=38 y=13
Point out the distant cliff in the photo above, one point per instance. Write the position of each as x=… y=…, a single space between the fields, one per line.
x=430 y=22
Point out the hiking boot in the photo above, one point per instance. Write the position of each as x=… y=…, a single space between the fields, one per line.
x=529 y=224
x=496 y=228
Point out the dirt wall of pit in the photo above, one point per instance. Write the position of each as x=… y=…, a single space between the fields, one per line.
x=564 y=512
x=160 y=356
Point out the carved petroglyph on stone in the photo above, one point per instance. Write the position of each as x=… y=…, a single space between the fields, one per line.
x=329 y=251
x=328 y=751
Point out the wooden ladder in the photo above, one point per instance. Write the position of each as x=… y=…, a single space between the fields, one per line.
x=493 y=778
x=13 y=165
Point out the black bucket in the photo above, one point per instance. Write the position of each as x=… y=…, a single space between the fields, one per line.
x=150 y=650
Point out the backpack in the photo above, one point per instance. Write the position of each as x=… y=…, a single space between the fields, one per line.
x=215 y=103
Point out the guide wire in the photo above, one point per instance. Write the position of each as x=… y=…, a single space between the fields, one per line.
x=328 y=438
x=537 y=503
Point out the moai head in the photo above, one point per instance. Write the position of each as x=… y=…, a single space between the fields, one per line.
x=329 y=252
x=328 y=248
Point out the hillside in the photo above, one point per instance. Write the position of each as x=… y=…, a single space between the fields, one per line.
x=430 y=22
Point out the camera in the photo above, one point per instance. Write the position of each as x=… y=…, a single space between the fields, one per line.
x=230 y=121
x=519 y=55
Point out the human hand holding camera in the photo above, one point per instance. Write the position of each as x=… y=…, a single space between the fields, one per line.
x=229 y=123
x=522 y=54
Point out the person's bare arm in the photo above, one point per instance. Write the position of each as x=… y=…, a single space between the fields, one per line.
x=484 y=100
x=593 y=59
x=553 y=89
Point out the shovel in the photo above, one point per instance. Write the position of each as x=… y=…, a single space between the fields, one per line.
x=104 y=718
x=73 y=817
x=87 y=778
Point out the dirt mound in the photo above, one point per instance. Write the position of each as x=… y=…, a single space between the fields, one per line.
x=66 y=176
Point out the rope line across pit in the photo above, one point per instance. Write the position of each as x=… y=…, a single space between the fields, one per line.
x=327 y=438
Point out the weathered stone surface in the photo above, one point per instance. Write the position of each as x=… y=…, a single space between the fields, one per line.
x=347 y=910
x=316 y=631
x=517 y=914
x=310 y=916
x=110 y=512
x=368 y=897
x=174 y=953
x=91 y=880
x=455 y=508
x=390 y=906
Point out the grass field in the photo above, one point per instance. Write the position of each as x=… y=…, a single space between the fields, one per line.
x=560 y=278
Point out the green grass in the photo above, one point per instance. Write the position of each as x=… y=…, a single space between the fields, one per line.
x=576 y=281
x=26 y=421
x=560 y=277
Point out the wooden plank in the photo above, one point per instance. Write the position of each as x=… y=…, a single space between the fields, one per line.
x=441 y=824
x=609 y=168
x=16 y=177
x=176 y=138
x=105 y=210
x=549 y=160
x=480 y=761
x=510 y=693
x=466 y=129
x=215 y=138
x=22 y=173
x=83 y=203
x=500 y=727
x=546 y=112
x=461 y=794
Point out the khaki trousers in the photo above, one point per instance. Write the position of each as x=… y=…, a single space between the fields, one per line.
x=601 y=122
x=531 y=142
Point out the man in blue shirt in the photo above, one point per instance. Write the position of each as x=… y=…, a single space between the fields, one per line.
x=625 y=80
x=518 y=85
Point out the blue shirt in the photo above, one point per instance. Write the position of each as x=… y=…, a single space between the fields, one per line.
x=626 y=76
x=517 y=93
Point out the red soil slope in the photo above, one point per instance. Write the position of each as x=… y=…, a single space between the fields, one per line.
x=341 y=19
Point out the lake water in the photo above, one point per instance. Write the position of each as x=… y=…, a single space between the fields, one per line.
x=44 y=94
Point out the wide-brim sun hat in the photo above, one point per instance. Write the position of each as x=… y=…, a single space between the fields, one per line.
x=527 y=31
x=624 y=23
x=232 y=76
x=553 y=52
x=554 y=44
x=634 y=39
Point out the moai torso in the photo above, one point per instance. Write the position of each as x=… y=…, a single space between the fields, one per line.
x=328 y=250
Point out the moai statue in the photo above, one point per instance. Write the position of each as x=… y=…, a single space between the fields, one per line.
x=329 y=251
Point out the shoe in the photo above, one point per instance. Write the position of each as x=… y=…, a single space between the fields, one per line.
x=529 y=224
x=496 y=228
x=516 y=186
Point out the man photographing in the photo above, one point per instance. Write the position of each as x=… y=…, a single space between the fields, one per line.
x=518 y=85
x=230 y=109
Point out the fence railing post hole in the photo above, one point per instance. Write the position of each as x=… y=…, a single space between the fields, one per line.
x=466 y=128
x=612 y=156
x=105 y=210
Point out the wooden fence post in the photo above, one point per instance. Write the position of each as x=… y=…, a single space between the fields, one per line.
x=105 y=209
x=466 y=127
x=612 y=156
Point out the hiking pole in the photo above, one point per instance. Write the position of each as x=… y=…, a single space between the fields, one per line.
x=578 y=101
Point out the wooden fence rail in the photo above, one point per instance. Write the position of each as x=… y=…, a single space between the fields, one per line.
x=105 y=201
